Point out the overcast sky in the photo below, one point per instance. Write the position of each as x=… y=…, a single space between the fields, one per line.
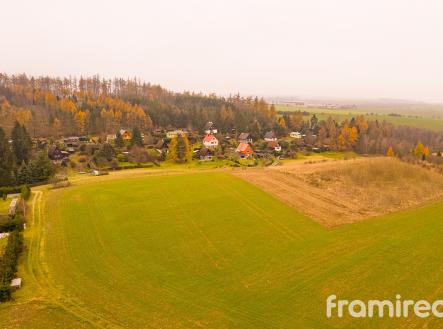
x=333 y=48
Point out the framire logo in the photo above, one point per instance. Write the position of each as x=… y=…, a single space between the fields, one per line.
x=383 y=308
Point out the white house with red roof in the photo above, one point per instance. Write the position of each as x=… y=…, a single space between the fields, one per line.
x=210 y=141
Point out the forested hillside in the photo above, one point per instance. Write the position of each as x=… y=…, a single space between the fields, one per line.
x=63 y=106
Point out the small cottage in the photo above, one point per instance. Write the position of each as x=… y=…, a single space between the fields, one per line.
x=210 y=141
x=270 y=136
x=210 y=128
x=245 y=138
x=295 y=134
x=126 y=134
x=244 y=150
x=274 y=146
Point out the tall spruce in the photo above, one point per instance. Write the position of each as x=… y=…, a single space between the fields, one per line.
x=136 y=137
x=119 y=142
x=21 y=143
x=6 y=161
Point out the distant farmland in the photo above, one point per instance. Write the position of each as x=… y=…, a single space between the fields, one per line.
x=420 y=118
x=209 y=250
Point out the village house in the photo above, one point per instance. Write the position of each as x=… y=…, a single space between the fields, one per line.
x=176 y=132
x=206 y=154
x=56 y=155
x=210 y=141
x=245 y=138
x=111 y=138
x=270 y=136
x=72 y=141
x=295 y=134
x=126 y=134
x=210 y=128
x=244 y=150
x=273 y=145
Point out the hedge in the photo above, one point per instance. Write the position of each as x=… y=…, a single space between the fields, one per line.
x=8 y=264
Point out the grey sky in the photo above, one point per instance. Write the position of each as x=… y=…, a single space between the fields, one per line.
x=340 y=48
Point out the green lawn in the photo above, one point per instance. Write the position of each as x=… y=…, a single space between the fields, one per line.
x=3 y=242
x=209 y=250
x=4 y=206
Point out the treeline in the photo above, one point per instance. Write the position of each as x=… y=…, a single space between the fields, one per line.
x=361 y=135
x=8 y=263
x=54 y=106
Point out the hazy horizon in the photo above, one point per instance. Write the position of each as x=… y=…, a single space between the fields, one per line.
x=343 y=49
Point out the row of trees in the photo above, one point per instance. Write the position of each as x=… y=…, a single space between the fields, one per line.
x=364 y=136
x=8 y=263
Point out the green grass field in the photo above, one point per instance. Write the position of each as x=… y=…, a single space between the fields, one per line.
x=420 y=118
x=4 y=206
x=209 y=250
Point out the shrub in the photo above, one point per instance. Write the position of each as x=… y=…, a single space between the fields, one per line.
x=26 y=192
x=82 y=158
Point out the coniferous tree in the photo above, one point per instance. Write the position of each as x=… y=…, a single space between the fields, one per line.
x=136 y=137
x=6 y=161
x=21 y=143
x=119 y=140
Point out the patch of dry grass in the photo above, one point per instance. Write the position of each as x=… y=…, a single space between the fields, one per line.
x=338 y=192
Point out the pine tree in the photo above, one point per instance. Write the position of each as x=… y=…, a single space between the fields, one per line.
x=136 y=137
x=6 y=161
x=119 y=142
x=21 y=143
x=23 y=174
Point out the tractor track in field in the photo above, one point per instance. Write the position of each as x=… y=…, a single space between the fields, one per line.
x=39 y=273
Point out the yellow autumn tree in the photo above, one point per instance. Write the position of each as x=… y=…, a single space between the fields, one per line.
x=426 y=151
x=341 y=141
x=390 y=152
x=80 y=121
x=352 y=135
x=188 y=149
x=419 y=149
x=282 y=123
x=172 y=150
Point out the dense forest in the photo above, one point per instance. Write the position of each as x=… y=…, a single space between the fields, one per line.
x=55 y=106
x=52 y=107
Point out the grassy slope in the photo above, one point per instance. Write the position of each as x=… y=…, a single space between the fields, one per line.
x=4 y=206
x=209 y=250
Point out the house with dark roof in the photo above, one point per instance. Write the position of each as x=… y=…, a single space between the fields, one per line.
x=245 y=138
x=206 y=154
x=210 y=128
x=270 y=136
x=274 y=146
